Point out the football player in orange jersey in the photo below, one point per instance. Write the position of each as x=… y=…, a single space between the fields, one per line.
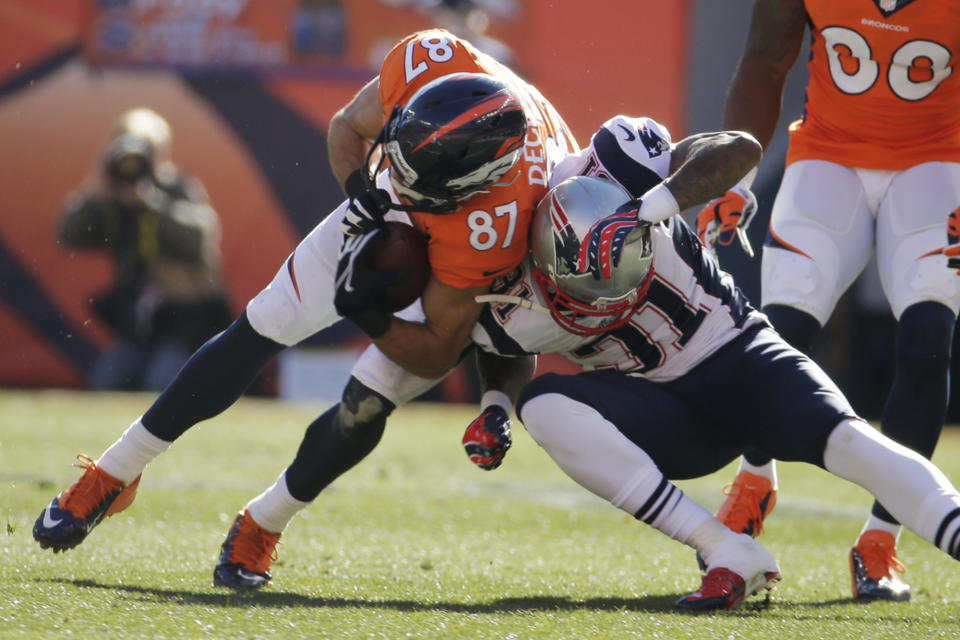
x=470 y=148
x=873 y=167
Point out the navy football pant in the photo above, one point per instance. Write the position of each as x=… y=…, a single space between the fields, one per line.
x=755 y=392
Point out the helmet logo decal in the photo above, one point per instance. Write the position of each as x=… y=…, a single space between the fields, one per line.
x=603 y=243
x=407 y=173
x=654 y=144
x=566 y=244
x=499 y=101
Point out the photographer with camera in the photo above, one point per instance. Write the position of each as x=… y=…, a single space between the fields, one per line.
x=168 y=295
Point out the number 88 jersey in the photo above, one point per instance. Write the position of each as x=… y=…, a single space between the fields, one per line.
x=884 y=91
x=487 y=235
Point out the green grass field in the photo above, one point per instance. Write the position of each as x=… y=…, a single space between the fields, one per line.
x=413 y=543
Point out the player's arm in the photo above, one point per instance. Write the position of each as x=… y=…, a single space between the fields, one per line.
x=705 y=165
x=487 y=438
x=353 y=129
x=431 y=348
x=755 y=95
x=504 y=375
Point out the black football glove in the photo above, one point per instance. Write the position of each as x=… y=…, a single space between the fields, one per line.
x=365 y=209
x=360 y=287
x=488 y=438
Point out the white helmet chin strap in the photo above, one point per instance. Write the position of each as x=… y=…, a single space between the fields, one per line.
x=517 y=300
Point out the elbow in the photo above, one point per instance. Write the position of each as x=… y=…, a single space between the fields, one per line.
x=743 y=152
x=747 y=148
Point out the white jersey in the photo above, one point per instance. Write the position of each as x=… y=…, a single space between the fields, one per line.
x=691 y=309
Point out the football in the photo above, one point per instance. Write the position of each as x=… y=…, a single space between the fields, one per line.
x=402 y=248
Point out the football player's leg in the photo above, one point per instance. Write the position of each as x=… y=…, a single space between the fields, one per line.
x=753 y=494
x=806 y=267
x=914 y=490
x=297 y=303
x=925 y=301
x=334 y=443
x=572 y=418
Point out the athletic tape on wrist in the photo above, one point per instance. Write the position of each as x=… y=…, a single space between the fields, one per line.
x=498 y=398
x=658 y=204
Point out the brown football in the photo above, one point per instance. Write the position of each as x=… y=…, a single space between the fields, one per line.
x=402 y=248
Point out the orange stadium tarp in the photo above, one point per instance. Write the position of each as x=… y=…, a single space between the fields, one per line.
x=253 y=133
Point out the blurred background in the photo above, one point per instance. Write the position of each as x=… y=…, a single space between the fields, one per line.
x=248 y=88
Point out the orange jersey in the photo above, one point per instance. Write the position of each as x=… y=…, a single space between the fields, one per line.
x=884 y=92
x=488 y=235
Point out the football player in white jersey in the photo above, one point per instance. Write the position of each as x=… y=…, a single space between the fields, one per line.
x=627 y=296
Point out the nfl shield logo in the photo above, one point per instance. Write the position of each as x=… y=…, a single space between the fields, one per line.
x=888 y=5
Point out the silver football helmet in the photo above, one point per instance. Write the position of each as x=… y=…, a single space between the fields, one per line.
x=564 y=234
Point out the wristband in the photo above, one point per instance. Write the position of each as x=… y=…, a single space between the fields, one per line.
x=657 y=204
x=498 y=398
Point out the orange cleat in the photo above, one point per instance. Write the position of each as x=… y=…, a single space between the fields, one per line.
x=749 y=500
x=74 y=513
x=246 y=555
x=874 y=567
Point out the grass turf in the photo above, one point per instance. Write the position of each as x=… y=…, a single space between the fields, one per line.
x=412 y=543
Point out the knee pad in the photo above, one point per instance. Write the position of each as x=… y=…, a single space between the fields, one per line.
x=796 y=327
x=362 y=409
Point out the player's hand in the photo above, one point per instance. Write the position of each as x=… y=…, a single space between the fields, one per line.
x=952 y=250
x=601 y=248
x=728 y=217
x=488 y=437
x=365 y=209
x=359 y=287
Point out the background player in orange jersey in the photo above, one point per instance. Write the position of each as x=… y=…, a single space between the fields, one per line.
x=873 y=166
x=470 y=148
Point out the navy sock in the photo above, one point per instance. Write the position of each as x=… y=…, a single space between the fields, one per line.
x=916 y=407
x=214 y=377
x=338 y=440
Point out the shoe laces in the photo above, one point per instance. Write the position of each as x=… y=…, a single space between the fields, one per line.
x=878 y=551
x=745 y=506
x=89 y=492
x=253 y=546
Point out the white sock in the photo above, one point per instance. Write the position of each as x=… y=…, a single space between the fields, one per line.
x=274 y=508
x=911 y=487
x=875 y=523
x=768 y=470
x=126 y=458
x=708 y=535
x=592 y=451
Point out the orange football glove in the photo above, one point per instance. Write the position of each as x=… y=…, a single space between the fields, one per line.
x=727 y=217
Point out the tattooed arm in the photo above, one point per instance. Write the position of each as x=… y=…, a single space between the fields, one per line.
x=705 y=165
